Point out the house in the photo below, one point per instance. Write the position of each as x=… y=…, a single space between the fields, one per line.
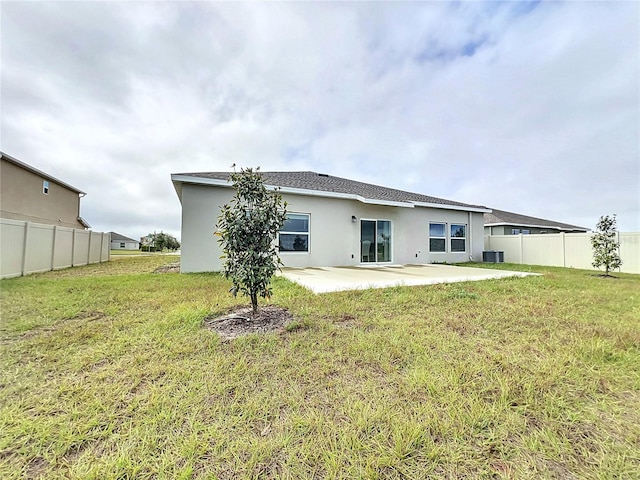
x=334 y=221
x=120 y=242
x=32 y=195
x=146 y=241
x=499 y=222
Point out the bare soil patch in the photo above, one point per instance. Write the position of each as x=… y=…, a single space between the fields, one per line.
x=241 y=321
x=168 y=268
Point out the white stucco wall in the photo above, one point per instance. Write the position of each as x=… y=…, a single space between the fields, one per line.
x=334 y=240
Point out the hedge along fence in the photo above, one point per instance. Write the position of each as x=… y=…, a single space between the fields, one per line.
x=562 y=249
x=27 y=247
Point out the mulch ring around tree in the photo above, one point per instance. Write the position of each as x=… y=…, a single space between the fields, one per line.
x=241 y=321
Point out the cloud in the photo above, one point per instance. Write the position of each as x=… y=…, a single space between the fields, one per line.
x=532 y=108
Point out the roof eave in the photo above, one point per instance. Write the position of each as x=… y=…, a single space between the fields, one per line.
x=463 y=208
x=549 y=227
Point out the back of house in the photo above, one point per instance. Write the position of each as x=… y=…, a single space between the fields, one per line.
x=333 y=221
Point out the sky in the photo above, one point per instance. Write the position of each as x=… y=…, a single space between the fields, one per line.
x=529 y=107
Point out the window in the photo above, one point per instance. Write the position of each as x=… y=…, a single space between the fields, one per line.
x=458 y=238
x=45 y=187
x=525 y=232
x=122 y=245
x=437 y=237
x=294 y=234
x=515 y=231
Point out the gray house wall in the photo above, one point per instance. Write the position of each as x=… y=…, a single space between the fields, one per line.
x=128 y=245
x=334 y=239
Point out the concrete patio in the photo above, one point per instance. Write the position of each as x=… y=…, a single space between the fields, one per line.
x=335 y=279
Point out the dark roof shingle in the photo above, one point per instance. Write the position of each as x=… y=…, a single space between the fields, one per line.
x=116 y=237
x=511 y=218
x=328 y=183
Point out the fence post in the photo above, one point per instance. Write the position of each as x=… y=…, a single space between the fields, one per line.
x=619 y=249
x=564 y=251
x=27 y=226
x=521 y=249
x=89 y=249
x=73 y=248
x=53 y=246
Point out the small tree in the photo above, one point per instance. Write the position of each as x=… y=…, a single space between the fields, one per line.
x=248 y=228
x=605 y=247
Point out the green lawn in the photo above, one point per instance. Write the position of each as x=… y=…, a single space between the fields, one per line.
x=106 y=372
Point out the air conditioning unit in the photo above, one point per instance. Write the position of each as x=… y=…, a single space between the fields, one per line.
x=493 y=256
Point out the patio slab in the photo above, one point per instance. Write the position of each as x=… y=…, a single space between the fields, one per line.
x=335 y=279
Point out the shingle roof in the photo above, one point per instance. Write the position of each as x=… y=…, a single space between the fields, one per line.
x=116 y=237
x=327 y=183
x=501 y=217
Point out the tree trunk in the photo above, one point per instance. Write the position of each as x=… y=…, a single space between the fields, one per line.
x=254 y=302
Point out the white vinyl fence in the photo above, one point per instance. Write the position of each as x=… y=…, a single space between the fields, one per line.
x=562 y=249
x=27 y=247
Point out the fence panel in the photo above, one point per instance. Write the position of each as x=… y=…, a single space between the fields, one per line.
x=509 y=244
x=95 y=247
x=39 y=248
x=542 y=250
x=630 y=252
x=63 y=254
x=562 y=249
x=12 y=236
x=578 y=250
x=27 y=247
x=81 y=247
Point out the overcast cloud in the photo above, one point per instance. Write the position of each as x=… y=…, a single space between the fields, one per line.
x=526 y=107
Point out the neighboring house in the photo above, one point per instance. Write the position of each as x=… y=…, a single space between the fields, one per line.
x=120 y=242
x=32 y=195
x=499 y=222
x=146 y=241
x=335 y=222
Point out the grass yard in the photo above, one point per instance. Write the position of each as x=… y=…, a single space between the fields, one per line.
x=106 y=372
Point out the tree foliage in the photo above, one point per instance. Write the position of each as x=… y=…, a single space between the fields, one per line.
x=160 y=241
x=605 y=247
x=248 y=228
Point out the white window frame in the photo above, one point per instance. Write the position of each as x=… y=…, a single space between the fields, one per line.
x=45 y=187
x=307 y=233
x=444 y=224
x=452 y=238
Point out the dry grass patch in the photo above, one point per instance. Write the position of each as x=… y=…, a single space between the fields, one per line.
x=107 y=372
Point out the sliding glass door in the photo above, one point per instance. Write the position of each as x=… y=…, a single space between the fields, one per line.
x=375 y=241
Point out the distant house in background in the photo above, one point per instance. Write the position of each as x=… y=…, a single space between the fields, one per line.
x=28 y=194
x=120 y=242
x=146 y=241
x=499 y=222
